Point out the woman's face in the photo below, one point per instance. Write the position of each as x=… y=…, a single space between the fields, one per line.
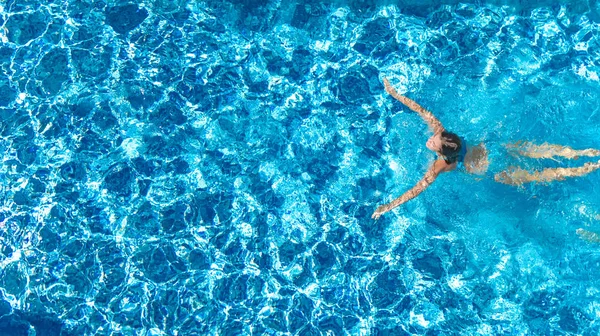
x=435 y=142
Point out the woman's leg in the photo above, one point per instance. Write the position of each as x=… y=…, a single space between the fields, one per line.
x=589 y=236
x=518 y=176
x=547 y=151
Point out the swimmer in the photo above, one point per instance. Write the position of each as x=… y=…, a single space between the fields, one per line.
x=452 y=151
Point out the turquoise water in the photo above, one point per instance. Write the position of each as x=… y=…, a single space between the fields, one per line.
x=210 y=168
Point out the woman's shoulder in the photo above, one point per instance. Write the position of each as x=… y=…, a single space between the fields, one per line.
x=441 y=166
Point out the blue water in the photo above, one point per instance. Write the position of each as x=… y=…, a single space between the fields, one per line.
x=210 y=168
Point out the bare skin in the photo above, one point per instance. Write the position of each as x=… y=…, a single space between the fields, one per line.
x=548 y=151
x=438 y=167
x=588 y=236
x=518 y=176
x=434 y=124
x=434 y=143
x=476 y=159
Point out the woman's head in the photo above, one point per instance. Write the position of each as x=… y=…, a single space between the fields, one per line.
x=446 y=144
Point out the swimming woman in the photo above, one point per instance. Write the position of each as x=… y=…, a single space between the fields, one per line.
x=453 y=150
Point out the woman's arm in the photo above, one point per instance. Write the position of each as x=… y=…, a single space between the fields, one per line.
x=438 y=167
x=430 y=119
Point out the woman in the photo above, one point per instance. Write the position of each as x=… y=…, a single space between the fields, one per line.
x=454 y=151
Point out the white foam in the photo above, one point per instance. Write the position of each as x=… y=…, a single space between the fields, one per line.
x=419 y=319
x=246 y=230
x=455 y=282
x=130 y=146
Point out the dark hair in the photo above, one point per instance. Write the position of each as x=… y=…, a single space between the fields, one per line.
x=451 y=146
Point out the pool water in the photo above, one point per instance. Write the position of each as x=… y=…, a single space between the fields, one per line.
x=210 y=168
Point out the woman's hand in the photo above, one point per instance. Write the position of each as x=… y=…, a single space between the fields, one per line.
x=379 y=211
